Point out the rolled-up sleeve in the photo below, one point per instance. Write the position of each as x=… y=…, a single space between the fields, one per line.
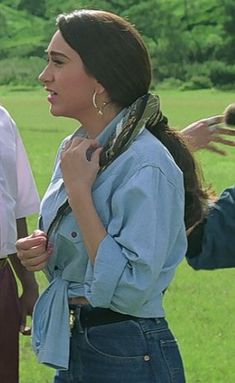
x=212 y=244
x=145 y=237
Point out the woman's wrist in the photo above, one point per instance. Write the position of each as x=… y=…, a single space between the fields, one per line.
x=79 y=195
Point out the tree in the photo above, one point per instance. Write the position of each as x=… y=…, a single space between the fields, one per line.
x=228 y=49
x=3 y=25
x=36 y=8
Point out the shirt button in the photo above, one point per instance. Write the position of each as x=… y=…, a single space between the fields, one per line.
x=74 y=234
x=146 y=358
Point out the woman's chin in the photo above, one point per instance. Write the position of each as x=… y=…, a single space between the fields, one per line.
x=55 y=112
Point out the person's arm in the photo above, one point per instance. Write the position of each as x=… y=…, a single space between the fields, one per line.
x=211 y=245
x=207 y=238
x=27 y=280
x=26 y=203
x=203 y=134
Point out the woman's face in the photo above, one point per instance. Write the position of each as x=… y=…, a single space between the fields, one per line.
x=70 y=87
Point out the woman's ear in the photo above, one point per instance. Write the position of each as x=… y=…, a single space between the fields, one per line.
x=100 y=90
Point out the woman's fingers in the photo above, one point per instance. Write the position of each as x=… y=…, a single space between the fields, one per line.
x=38 y=267
x=73 y=141
x=96 y=155
x=83 y=144
x=38 y=233
x=30 y=242
x=86 y=147
x=36 y=260
x=32 y=251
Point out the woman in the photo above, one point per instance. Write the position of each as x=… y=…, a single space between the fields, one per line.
x=113 y=218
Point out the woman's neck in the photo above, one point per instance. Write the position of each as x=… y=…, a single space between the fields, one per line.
x=94 y=123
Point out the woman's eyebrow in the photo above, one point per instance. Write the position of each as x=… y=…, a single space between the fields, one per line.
x=56 y=53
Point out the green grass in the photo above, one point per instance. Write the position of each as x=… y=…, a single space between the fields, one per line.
x=200 y=305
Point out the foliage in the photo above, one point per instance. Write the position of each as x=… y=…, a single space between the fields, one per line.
x=20 y=34
x=17 y=71
x=197 y=82
x=222 y=74
x=37 y=8
x=180 y=35
x=228 y=48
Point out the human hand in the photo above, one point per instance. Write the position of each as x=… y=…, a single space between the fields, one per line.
x=204 y=133
x=33 y=251
x=27 y=301
x=80 y=164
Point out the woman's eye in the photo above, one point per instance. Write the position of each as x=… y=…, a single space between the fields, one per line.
x=57 y=62
x=54 y=61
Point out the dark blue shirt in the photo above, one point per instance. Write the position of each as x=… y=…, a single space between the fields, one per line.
x=211 y=245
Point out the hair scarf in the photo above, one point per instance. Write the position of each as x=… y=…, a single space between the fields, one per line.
x=144 y=112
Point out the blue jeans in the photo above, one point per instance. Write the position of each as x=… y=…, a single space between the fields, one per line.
x=142 y=351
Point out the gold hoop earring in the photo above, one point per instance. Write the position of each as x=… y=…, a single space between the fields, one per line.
x=101 y=108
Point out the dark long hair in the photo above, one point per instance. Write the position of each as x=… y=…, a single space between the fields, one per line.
x=113 y=51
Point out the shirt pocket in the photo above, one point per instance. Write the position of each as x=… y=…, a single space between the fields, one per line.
x=70 y=253
x=67 y=240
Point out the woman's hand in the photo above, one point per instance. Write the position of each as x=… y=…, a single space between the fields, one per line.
x=80 y=164
x=33 y=251
x=204 y=133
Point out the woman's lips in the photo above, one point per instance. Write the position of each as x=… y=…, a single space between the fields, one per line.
x=52 y=97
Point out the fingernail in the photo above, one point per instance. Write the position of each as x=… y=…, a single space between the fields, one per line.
x=49 y=248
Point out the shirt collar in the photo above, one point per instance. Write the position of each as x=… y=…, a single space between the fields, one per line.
x=104 y=136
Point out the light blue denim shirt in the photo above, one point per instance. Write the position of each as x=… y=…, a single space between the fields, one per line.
x=140 y=200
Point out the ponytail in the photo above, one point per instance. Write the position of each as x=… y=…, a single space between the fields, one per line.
x=196 y=198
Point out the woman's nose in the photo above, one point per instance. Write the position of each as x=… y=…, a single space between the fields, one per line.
x=45 y=75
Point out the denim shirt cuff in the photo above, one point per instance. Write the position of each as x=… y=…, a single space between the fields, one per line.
x=107 y=270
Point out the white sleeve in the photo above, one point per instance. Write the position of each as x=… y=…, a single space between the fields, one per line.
x=7 y=218
x=18 y=193
x=27 y=196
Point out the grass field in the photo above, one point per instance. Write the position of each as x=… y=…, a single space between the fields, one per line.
x=200 y=305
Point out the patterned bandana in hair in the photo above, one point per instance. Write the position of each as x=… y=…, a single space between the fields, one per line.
x=145 y=111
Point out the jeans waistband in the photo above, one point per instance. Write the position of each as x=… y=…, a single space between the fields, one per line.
x=95 y=316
